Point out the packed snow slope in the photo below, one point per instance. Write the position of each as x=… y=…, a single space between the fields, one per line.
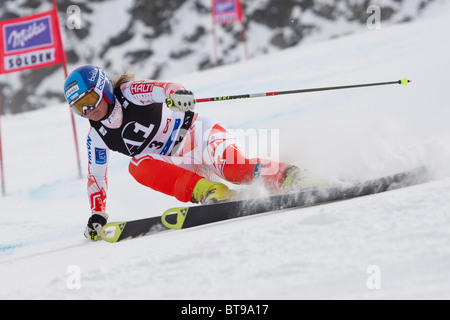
x=394 y=245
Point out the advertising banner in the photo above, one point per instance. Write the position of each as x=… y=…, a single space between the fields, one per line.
x=226 y=11
x=30 y=42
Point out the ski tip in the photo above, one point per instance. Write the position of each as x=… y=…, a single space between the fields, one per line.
x=404 y=81
x=111 y=231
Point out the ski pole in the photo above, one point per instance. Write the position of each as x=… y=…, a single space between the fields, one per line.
x=404 y=81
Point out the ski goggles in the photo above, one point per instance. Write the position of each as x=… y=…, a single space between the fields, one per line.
x=89 y=100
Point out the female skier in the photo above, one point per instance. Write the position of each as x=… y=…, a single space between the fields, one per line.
x=174 y=150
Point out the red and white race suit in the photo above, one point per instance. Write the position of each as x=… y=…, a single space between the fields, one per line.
x=170 y=150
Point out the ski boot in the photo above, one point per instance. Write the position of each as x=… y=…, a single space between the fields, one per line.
x=208 y=192
x=296 y=179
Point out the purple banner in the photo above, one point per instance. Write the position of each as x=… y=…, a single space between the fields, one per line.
x=224 y=7
x=28 y=35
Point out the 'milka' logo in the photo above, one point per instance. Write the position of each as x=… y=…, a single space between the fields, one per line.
x=34 y=38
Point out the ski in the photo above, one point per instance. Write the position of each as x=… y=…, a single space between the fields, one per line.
x=192 y=216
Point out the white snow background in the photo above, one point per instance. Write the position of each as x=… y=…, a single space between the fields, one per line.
x=332 y=251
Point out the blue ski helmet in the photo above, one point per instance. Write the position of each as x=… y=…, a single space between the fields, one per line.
x=88 y=78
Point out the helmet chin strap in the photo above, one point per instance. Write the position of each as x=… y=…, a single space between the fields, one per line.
x=108 y=113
